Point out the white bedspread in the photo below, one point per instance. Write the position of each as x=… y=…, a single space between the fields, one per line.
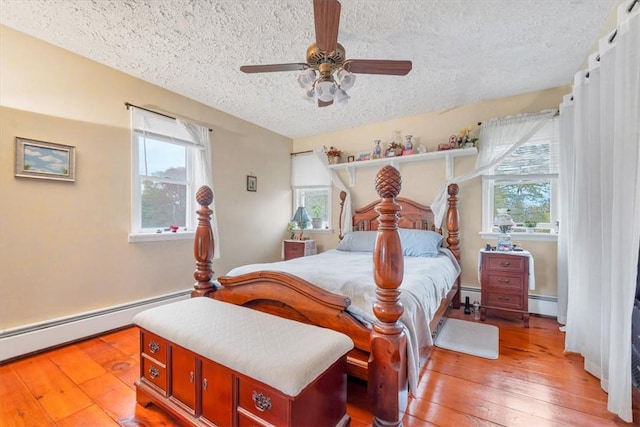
x=426 y=282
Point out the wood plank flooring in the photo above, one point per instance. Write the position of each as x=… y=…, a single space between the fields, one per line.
x=533 y=383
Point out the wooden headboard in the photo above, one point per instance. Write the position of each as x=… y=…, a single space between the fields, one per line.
x=413 y=215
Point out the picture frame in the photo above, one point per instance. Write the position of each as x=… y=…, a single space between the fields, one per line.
x=364 y=156
x=45 y=160
x=252 y=183
x=351 y=159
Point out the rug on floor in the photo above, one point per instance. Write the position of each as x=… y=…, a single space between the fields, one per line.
x=476 y=339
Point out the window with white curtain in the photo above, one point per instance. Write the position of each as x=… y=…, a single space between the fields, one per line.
x=525 y=183
x=166 y=171
x=311 y=189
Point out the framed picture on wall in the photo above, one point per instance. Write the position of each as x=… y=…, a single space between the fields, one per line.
x=45 y=160
x=252 y=183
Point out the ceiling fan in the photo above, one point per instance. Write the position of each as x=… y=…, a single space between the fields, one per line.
x=327 y=74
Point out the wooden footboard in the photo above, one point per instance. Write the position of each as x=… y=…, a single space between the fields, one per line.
x=380 y=349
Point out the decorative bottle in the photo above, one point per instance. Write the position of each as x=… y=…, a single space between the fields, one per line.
x=377 y=150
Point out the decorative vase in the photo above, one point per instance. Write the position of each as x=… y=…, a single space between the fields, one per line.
x=334 y=160
x=377 y=150
x=504 y=222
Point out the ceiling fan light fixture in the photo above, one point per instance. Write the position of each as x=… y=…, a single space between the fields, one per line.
x=307 y=78
x=346 y=79
x=326 y=89
x=341 y=96
x=310 y=95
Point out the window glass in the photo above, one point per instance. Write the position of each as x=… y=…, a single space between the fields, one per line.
x=316 y=202
x=162 y=159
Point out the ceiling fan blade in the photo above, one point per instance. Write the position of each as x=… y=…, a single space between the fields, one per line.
x=324 y=104
x=269 y=68
x=378 y=66
x=326 y=14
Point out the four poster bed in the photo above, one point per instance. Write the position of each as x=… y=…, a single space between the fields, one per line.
x=391 y=327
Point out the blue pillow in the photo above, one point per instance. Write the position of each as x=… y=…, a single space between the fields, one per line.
x=418 y=243
x=358 y=241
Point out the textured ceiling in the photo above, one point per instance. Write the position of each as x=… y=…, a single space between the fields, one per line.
x=462 y=51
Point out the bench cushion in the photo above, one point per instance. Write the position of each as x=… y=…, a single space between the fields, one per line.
x=284 y=354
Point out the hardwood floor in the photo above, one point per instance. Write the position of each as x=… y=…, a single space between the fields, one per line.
x=533 y=383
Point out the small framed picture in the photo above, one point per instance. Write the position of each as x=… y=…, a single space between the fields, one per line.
x=45 y=160
x=351 y=159
x=252 y=183
x=364 y=156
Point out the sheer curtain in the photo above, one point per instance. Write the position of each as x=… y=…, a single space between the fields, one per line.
x=600 y=217
x=498 y=139
x=345 y=220
x=204 y=176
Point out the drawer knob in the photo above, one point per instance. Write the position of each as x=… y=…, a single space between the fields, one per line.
x=191 y=376
x=205 y=384
x=503 y=280
x=505 y=263
x=262 y=402
x=154 y=372
x=153 y=347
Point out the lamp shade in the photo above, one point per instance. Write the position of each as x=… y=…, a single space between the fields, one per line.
x=301 y=217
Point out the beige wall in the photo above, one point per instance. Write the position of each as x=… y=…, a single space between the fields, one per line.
x=420 y=181
x=63 y=246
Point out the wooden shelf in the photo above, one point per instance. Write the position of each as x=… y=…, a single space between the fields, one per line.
x=448 y=155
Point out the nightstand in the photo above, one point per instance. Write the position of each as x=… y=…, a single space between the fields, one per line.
x=504 y=278
x=298 y=248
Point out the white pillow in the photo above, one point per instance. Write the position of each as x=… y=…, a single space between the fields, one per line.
x=418 y=243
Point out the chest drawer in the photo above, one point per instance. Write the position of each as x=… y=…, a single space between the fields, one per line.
x=263 y=402
x=154 y=372
x=293 y=250
x=513 y=300
x=154 y=346
x=504 y=281
x=498 y=262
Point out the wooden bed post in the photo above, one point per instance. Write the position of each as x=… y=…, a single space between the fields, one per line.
x=203 y=245
x=453 y=227
x=388 y=386
x=343 y=196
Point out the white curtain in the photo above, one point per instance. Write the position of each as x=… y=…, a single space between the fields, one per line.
x=600 y=215
x=204 y=176
x=498 y=139
x=347 y=226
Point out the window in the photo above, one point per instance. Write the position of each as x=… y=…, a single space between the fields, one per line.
x=311 y=187
x=168 y=166
x=525 y=183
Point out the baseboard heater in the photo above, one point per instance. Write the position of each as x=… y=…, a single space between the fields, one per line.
x=538 y=304
x=37 y=337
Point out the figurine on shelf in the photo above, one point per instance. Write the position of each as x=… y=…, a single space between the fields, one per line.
x=377 y=150
x=408 y=146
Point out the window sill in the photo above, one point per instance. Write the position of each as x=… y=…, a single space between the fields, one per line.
x=156 y=237
x=547 y=237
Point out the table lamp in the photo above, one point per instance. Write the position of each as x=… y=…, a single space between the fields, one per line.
x=302 y=218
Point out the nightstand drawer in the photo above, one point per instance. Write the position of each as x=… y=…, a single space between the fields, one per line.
x=298 y=248
x=508 y=300
x=500 y=280
x=498 y=262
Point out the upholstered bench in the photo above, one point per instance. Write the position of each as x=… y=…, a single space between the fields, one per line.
x=207 y=361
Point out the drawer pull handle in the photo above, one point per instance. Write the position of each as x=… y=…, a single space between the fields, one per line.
x=205 y=384
x=503 y=299
x=262 y=402
x=503 y=280
x=191 y=377
x=154 y=372
x=505 y=263
x=153 y=347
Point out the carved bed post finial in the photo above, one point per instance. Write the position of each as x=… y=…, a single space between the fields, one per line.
x=203 y=245
x=387 y=364
x=343 y=196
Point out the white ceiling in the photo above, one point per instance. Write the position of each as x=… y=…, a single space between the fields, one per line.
x=462 y=51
